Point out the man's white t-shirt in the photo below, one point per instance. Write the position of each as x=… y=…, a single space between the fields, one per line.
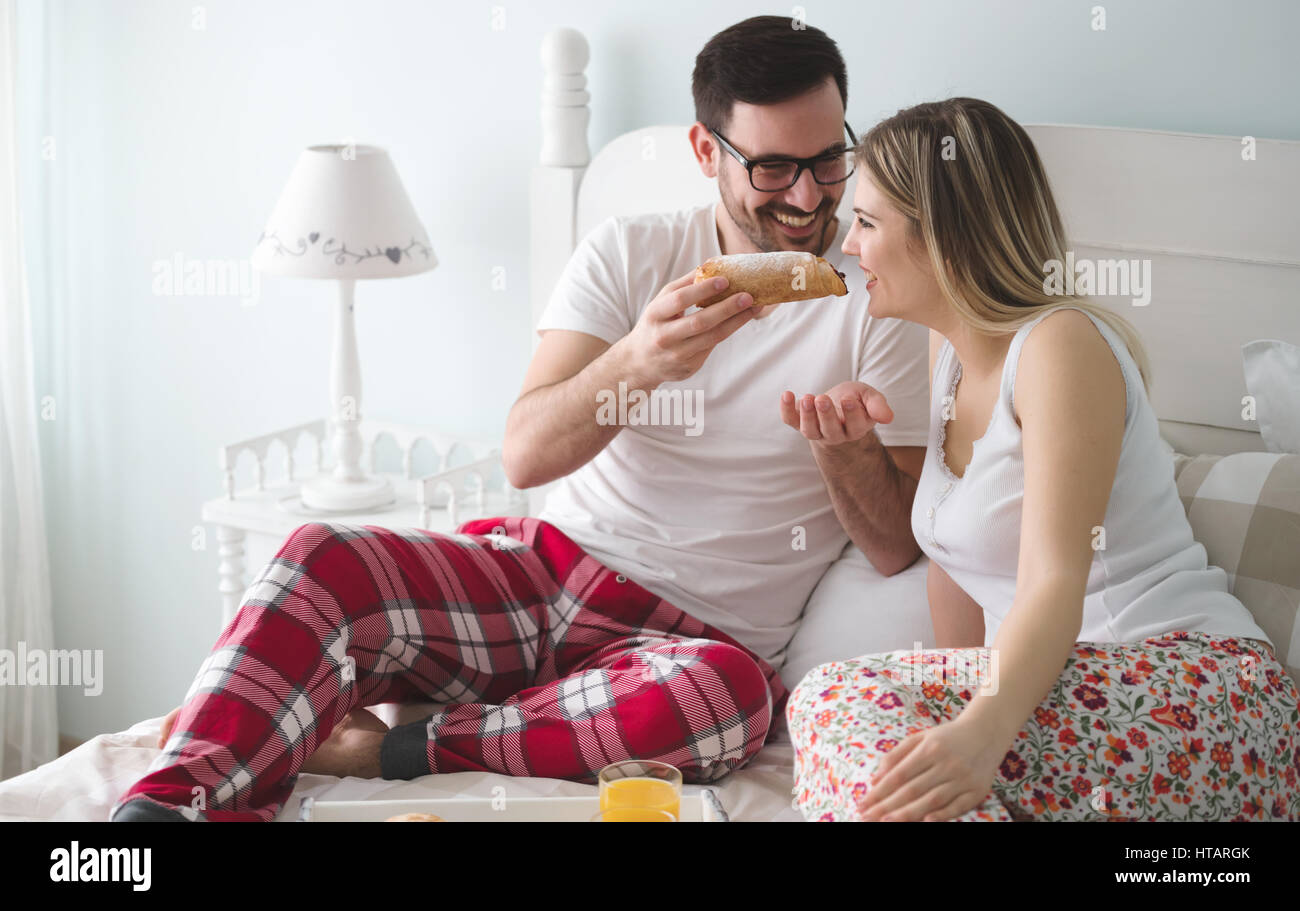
x=720 y=508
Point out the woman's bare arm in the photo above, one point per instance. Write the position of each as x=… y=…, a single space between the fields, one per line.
x=1070 y=400
x=958 y=620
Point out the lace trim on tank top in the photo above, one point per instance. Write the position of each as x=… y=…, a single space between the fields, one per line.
x=943 y=422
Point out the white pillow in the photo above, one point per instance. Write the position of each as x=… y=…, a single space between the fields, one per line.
x=854 y=610
x=1272 y=371
x=1178 y=458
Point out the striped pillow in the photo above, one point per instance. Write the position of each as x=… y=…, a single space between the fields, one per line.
x=1245 y=509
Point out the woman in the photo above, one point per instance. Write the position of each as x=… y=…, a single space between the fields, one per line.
x=1127 y=681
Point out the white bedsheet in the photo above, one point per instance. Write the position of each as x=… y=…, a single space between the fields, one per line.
x=84 y=783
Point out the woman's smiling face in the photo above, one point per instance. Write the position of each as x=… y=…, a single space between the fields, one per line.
x=900 y=280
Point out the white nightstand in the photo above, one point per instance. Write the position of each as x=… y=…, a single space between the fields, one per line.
x=468 y=484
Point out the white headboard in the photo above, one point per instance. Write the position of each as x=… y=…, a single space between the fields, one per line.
x=1221 y=232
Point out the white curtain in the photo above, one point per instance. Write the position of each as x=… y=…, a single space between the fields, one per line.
x=28 y=714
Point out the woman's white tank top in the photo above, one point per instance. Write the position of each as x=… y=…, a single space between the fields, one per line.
x=1151 y=577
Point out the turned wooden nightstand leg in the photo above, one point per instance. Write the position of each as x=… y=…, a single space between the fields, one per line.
x=230 y=570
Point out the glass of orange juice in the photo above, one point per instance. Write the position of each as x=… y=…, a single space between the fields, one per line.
x=633 y=814
x=641 y=784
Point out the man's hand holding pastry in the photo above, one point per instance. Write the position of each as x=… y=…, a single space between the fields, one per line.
x=667 y=346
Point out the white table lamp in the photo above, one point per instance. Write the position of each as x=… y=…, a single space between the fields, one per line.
x=344 y=215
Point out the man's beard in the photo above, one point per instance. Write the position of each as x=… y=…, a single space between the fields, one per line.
x=766 y=236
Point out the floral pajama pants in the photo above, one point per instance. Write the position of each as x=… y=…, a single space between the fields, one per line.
x=1185 y=726
x=547 y=662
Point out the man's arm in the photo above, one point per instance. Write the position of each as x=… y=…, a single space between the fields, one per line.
x=552 y=428
x=566 y=371
x=872 y=496
x=871 y=486
x=872 y=489
x=872 y=493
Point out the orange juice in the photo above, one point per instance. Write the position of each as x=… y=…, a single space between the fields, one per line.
x=641 y=793
x=632 y=814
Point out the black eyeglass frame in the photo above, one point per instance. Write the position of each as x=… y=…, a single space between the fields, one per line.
x=803 y=164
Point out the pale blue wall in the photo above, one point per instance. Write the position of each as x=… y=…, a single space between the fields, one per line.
x=171 y=139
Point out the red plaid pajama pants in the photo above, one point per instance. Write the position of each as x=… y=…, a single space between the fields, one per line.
x=553 y=666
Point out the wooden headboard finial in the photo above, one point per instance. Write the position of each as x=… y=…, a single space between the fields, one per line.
x=564 y=99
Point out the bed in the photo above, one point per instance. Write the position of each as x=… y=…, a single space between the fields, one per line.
x=1219 y=229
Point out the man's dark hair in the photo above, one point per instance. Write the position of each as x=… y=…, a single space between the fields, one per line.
x=763 y=60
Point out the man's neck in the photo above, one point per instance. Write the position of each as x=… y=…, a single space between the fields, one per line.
x=732 y=240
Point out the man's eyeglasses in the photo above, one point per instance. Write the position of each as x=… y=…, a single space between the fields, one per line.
x=773 y=174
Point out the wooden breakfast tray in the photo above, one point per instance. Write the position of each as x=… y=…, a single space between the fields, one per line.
x=703 y=806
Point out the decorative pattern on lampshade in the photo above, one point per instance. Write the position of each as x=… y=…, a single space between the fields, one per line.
x=344 y=214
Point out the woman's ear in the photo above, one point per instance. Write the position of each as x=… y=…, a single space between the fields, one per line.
x=705 y=149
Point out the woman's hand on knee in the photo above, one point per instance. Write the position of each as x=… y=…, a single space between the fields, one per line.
x=932 y=775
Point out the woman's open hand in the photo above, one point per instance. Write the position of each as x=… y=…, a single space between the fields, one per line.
x=932 y=775
x=844 y=414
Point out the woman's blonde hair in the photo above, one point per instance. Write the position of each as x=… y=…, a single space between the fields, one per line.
x=972 y=187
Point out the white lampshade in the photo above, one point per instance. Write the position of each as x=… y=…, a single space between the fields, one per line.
x=344 y=215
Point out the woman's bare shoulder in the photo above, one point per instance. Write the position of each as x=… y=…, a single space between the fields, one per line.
x=1064 y=355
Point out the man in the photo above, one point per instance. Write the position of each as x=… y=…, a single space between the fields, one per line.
x=732 y=524
x=643 y=613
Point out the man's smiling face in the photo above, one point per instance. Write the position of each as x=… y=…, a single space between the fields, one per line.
x=802 y=217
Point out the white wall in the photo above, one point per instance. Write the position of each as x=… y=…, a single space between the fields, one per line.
x=174 y=140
